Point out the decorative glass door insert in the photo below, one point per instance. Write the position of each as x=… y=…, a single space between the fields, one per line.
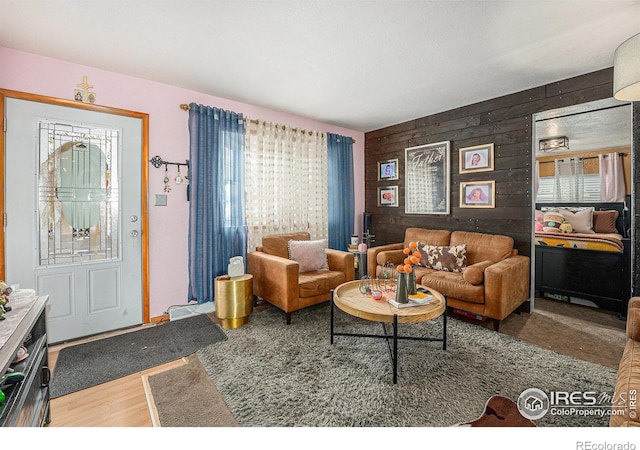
x=78 y=194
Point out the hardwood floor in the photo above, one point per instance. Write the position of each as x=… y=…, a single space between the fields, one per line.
x=120 y=403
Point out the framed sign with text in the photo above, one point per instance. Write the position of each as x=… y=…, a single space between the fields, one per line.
x=427 y=178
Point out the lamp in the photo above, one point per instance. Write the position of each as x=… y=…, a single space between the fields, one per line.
x=554 y=144
x=626 y=70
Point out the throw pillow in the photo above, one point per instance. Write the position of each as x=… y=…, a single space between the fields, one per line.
x=605 y=221
x=446 y=258
x=539 y=220
x=581 y=221
x=551 y=221
x=310 y=255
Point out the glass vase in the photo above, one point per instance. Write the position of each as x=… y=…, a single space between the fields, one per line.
x=365 y=285
x=401 y=289
x=389 y=277
x=411 y=282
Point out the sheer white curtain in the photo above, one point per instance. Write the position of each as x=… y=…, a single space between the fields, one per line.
x=612 y=188
x=286 y=181
x=569 y=180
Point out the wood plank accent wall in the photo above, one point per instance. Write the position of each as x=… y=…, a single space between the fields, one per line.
x=507 y=122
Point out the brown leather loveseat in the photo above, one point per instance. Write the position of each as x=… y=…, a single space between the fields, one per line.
x=627 y=392
x=280 y=280
x=492 y=282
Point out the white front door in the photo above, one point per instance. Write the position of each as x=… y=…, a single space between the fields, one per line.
x=73 y=214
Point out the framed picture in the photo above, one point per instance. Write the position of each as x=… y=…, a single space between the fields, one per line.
x=427 y=173
x=388 y=170
x=476 y=159
x=388 y=196
x=478 y=194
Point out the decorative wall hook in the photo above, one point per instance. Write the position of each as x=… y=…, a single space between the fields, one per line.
x=158 y=162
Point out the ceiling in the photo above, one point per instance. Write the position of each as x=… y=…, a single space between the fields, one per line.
x=362 y=65
x=593 y=126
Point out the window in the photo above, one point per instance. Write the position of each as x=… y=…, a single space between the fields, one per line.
x=591 y=189
x=286 y=181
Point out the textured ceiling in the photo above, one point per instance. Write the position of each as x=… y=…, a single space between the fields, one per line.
x=599 y=125
x=362 y=65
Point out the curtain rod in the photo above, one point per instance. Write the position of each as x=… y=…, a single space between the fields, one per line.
x=186 y=107
x=584 y=157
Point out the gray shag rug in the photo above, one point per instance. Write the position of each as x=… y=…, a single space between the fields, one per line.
x=85 y=365
x=274 y=375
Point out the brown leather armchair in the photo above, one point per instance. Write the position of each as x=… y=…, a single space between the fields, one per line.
x=278 y=280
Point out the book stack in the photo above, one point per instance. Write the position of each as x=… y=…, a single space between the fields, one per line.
x=468 y=314
x=414 y=300
x=402 y=305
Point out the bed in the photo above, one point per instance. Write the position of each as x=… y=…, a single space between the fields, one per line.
x=593 y=266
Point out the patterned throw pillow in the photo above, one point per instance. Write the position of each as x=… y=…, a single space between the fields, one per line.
x=310 y=255
x=446 y=258
x=551 y=222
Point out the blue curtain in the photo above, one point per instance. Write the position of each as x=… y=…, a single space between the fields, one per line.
x=217 y=225
x=341 y=197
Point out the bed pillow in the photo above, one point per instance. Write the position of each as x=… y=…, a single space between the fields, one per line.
x=446 y=258
x=545 y=209
x=605 y=221
x=551 y=221
x=581 y=221
x=539 y=219
x=310 y=255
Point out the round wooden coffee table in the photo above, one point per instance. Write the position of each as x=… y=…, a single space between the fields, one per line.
x=348 y=298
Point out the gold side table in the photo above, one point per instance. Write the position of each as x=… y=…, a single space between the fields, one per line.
x=234 y=300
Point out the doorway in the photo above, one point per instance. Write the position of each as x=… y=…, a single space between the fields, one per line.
x=570 y=146
x=75 y=212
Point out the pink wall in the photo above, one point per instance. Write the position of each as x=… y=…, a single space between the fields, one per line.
x=168 y=137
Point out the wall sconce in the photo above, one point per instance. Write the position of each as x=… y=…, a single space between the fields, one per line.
x=554 y=144
x=626 y=70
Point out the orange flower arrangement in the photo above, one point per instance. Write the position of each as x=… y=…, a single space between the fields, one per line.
x=412 y=258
